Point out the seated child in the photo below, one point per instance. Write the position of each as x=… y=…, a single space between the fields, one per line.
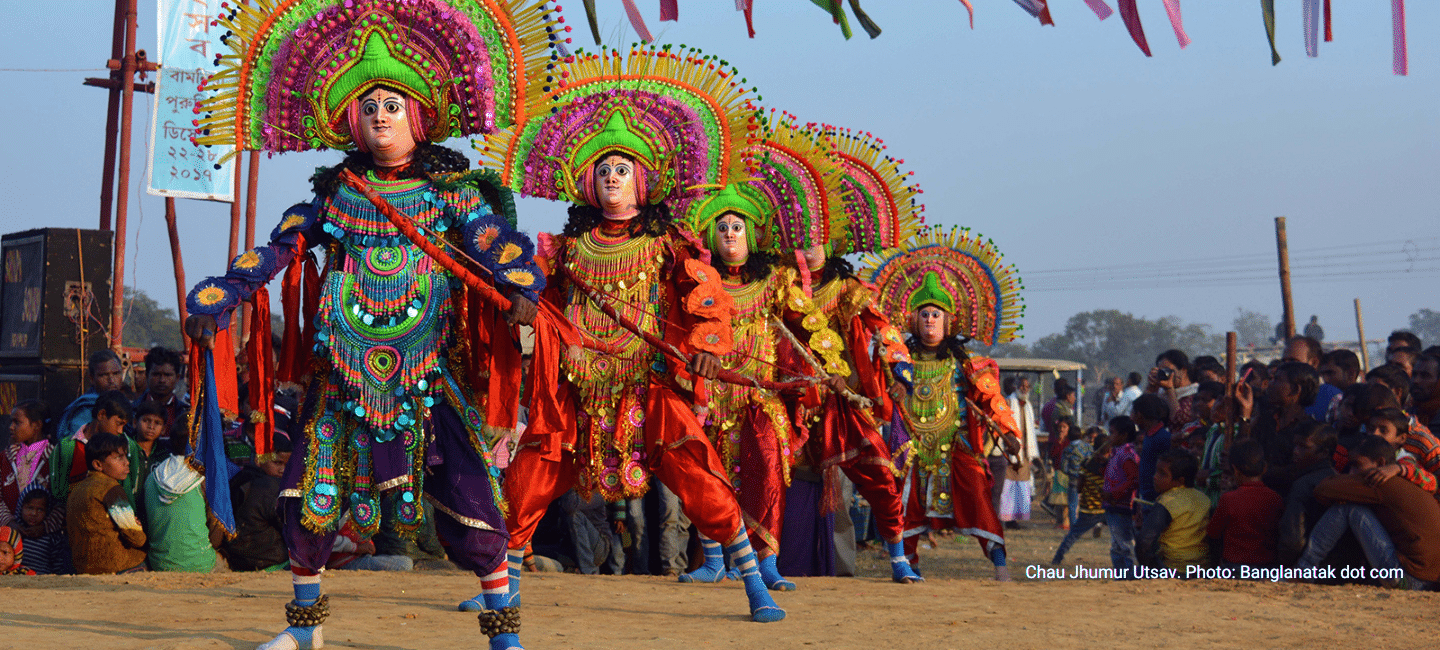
x=1245 y=524
x=1393 y=425
x=12 y=553
x=47 y=553
x=149 y=429
x=1395 y=520
x=1091 y=479
x=1173 y=533
x=105 y=536
x=183 y=535
x=259 y=542
x=69 y=466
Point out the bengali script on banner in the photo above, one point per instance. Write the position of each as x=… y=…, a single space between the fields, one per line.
x=188 y=46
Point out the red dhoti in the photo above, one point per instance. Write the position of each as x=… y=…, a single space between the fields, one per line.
x=678 y=453
x=847 y=437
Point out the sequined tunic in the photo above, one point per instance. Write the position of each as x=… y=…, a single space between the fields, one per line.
x=934 y=415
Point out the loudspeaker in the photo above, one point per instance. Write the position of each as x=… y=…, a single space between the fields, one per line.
x=55 y=297
x=57 y=386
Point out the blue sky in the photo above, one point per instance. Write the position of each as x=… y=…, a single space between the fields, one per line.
x=1110 y=180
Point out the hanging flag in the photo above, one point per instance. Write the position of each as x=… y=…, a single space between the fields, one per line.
x=594 y=22
x=1037 y=8
x=1310 y=10
x=1131 y=15
x=1172 y=9
x=637 y=22
x=969 y=8
x=1328 y=36
x=669 y=10
x=188 y=47
x=1102 y=10
x=1267 y=9
x=1397 y=34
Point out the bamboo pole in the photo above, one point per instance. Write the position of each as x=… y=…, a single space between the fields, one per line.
x=122 y=194
x=112 y=119
x=180 y=287
x=1282 y=247
x=1230 y=344
x=1360 y=329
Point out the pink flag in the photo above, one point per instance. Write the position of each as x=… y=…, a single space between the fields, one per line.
x=637 y=22
x=1102 y=10
x=669 y=10
x=1172 y=7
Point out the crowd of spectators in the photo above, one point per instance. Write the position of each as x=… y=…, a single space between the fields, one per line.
x=1322 y=467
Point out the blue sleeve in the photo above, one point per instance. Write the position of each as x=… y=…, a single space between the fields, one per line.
x=219 y=296
x=506 y=253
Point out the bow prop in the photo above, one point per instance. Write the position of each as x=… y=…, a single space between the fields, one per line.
x=995 y=429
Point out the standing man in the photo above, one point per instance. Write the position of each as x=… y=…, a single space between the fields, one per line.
x=1019 y=489
x=1113 y=403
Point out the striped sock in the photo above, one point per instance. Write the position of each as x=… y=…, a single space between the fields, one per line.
x=762 y=607
x=307 y=589
x=495 y=589
x=516 y=561
x=714 y=568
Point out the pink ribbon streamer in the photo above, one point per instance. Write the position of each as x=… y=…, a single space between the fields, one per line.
x=1172 y=8
x=1102 y=10
x=633 y=12
x=1310 y=9
x=1397 y=20
x=669 y=10
x=970 y=8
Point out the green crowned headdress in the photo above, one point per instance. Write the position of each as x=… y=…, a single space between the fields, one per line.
x=683 y=116
x=295 y=66
x=957 y=271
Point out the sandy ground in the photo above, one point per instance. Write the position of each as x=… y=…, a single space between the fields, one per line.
x=958 y=607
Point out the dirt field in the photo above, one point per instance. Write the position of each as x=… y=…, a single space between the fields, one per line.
x=958 y=607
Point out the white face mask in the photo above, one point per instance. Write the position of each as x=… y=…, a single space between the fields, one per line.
x=615 y=186
x=385 y=127
x=730 y=239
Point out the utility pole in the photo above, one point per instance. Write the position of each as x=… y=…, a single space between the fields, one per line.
x=124 y=63
x=1283 y=249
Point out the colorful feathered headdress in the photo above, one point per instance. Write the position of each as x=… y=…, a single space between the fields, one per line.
x=296 y=66
x=879 y=208
x=957 y=271
x=796 y=171
x=683 y=116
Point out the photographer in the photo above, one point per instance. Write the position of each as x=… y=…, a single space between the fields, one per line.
x=1170 y=379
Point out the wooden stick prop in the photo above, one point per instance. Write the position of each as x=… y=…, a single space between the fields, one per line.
x=728 y=376
x=995 y=429
x=490 y=295
x=850 y=395
x=403 y=224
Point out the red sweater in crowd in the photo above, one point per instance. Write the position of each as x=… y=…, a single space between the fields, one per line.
x=1247 y=519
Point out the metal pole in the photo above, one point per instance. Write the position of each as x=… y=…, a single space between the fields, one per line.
x=122 y=195
x=1283 y=248
x=112 y=119
x=180 y=287
x=1360 y=329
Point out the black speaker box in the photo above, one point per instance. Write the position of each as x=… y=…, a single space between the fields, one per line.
x=55 y=295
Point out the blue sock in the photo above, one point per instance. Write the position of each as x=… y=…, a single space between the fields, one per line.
x=714 y=568
x=516 y=561
x=505 y=641
x=762 y=607
x=307 y=593
x=900 y=570
x=997 y=556
x=771 y=576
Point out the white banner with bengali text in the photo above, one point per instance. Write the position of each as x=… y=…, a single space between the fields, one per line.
x=188 y=47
